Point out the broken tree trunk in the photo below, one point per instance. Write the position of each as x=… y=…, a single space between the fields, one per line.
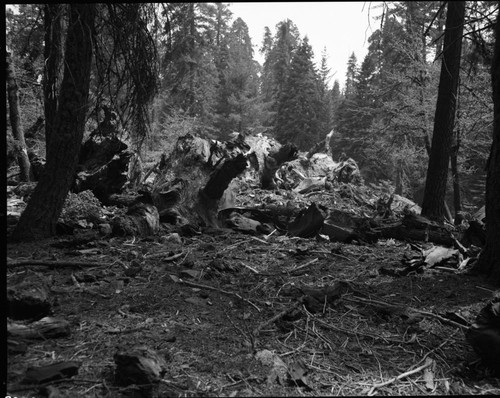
x=274 y=161
x=15 y=120
x=193 y=180
x=142 y=219
x=102 y=167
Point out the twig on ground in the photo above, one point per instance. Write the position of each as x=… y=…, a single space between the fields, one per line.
x=260 y=240
x=46 y=263
x=249 y=336
x=235 y=244
x=355 y=333
x=218 y=290
x=276 y=317
x=307 y=264
x=437 y=348
x=169 y=258
x=250 y=268
x=330 y=254
x=270 y=234
x=427 y=363
x=409 y=309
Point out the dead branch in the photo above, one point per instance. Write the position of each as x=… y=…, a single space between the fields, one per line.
x=307 y=264
x=401 y=309
x=45 y=263
x=427 y=363
x=275 y=318
x=218 y=290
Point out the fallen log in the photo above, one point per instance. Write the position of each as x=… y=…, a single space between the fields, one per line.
x=52 y=372
x=45 y=328
x=417 y=228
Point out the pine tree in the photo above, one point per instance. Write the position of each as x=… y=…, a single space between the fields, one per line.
x=190 y=72
x=351 y=77
x=326 y=123
x=437 y=173
x=299 y=107
x=239 y=85
x=279 y=51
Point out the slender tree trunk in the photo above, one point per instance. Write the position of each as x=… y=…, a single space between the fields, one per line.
x=53 y=57
x=192 y=32
x=457 y=202
x=439 y=34
x=437 y=172
x=47 y=200
x=399 y=178
x=489 y=261
x=15 y=120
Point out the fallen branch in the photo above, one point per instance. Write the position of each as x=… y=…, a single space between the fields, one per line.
x=192 y=284
x=330 y=253
x=169 y=258
x=293 y=271
x=259 y=240
x=407 y=310
x=284 y=272
x=275 y=318
x=235 y=244
x=354 y=333
x=427 y=363
x=441 y=319
x=250 y=268
x=44 y=263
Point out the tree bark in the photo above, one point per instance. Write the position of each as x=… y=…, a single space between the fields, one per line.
x=53 y=57
x=437 y=172
x=192 y=44
x=457 y=202
x=489 y=261
x=15 y=120
x=47 y=200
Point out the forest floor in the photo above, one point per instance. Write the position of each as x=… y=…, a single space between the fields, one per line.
x=239 y=314
x=206 y=312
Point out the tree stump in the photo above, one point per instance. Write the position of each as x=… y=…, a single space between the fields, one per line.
x=194 y=178
x=103 y=167
x=142 y=219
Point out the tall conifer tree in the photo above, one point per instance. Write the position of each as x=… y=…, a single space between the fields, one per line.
x=299 y=107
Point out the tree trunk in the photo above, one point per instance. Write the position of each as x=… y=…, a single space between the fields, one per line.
x=53 y=57
x=47 y=200
x=15 y=120
x=489 y=261
x=457 y=202
x=439 y=34
x=192 y=44
x=437 y=172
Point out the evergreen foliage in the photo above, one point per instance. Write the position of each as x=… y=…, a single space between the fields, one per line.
x=238 y=105
x=300 y=111
x=208 y=81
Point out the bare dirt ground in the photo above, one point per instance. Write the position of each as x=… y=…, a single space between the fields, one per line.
x=206 y=303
